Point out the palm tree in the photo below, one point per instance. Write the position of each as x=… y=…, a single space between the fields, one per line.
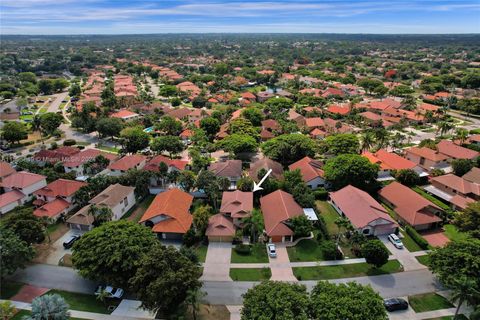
x=100 y=214
x=368 y=140
x=382 y=136
x=342 y=223
x=46 y=221
x=465 y=291
x=444 y=127
x=50 y=306
x=193 y=300
x=462 y=135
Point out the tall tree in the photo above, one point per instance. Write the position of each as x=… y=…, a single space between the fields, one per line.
x=15 y=252
x=49 y=122
x=289 y=148
x=351 y=169
x=134 y=139
x=375 y=253
x=14 y=131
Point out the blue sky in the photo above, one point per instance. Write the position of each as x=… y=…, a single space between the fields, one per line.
x=197 y=16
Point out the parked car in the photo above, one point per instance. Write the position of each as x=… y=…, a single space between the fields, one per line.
x=70 y=241
x=110 y=291
x=394 y=304
x=395 y=240
x=272 y=252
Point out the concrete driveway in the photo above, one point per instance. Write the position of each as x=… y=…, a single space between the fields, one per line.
x=405 y=257
x=217 y=262
x=58 y=250
x=281 y=270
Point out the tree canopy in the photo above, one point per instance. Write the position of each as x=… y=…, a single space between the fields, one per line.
x=289 y=148
x=351 y=169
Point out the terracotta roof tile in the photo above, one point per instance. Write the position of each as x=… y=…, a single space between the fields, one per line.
x=219 y=225
x=52 y=208
x=237 y=203
x=309 y=168
x=60 y=188
x=21 y=179
x=278 y=207
x=127 y=162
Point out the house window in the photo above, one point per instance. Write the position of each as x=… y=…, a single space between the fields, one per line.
x=366 y=231
x=125 y=201
x=422 y=161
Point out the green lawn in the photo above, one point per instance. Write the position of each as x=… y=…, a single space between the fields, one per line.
x=459 y=317
x=453 y=233
x=305 y=250
x=425 y=260
x=201 y=252
x=143 y=207
x=431 y=198
x=409 y=243
x=108 y=149
x=258 y=254
x=329 y=215
x=345 y=271
x=250 y=274
x=20 y=314
x=428 y=302
x=9 y=288
x=85 y=302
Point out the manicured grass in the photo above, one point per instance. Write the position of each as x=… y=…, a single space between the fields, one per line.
x=409 y=243
x=108 y=149
x=142 y=206
x=258 y=254
x=459 y=317
x=453 y=233
x=305 y=250
x=431 y=198
x=425 y=260
x=9 y=288
x=201 y=252
x=85 y=302
x=329 y=215
x=345 y=271
x=20 y=314
x=250 y=274
x=428 y=302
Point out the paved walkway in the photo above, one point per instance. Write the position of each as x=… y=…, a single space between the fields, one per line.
x=217 y=262
x=436 y=238
x=288 y=264
x=235 y=312
x=27 y=293
x=280 y=266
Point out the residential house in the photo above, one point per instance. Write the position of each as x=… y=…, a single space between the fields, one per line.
x=25 y=182
x=56 y=155
x=76 y=162
x=455 y=190
x=428 y=159
x=169 y=214
x=5 y=170
x=278 y=208
x=157 y=183
x=411 y=208
x=10 y=200
x=116 y=197
x=230 y=169
x=125 y=115
x=220 y=228
x=454 y=151
x=237 y=205
x=473 y=175
x=311 y=171
x=56 y=199
x=389 y=161
x=266 y=164
x=134 y=161
x=365 y=213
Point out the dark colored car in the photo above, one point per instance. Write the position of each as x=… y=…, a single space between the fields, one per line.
x=395 y=304
x=69 y=243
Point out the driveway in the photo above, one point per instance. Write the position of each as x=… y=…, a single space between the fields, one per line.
x=55 y=104
x=406 y=258
x=58 y=250
x=281 y=271
x=217 y=262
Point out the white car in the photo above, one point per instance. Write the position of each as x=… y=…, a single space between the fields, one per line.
x=395 y=240
x=272 y=252
x=111 y=291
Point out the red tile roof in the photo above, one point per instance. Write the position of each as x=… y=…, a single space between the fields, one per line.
x=60 y=188
x=309 y=168
x=277 y=208
x=455 y=151
x=427 y=153
x=389 y=160
x=56 y=155
x=265 y=163
x=237 y=203
x=220 y=226
x=359 y=207
x=338 y=109
x=174 y=205
x=5 y=169
x=52 y=208
x=229 y=168
x=409 y=205
x=86 y=155
x=21 y=179
x=127 y=162
x=152 y=165
x=457 y=183
x=9 y=197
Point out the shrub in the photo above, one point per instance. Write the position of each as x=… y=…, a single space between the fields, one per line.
x=330 y=250
x=417 y=237
x=320 y=194
x=243 y=249
x=69 y=142
x=322 y=227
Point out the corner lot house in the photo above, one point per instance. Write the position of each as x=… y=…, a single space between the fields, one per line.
x=169 y=214
x=278 y=208
x=411 y=208
x=56 y=199
x=230 y=169
x=311 y=171
x=134 y=161
x=237 y=205
x=118 y=198
x=365 y=213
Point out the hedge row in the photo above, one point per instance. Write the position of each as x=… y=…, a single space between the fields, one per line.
x=417 y=237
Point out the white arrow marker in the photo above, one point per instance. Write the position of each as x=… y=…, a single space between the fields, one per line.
x=256 y=186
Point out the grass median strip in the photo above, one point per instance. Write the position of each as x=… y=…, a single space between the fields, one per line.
x=409 y=243
x=250 y=274
x=345 y=271
x=428 y=302
x=425 y=260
